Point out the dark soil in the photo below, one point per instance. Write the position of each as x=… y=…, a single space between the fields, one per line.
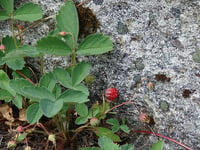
x=38 y=141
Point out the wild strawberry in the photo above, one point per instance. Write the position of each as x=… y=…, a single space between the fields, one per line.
x=19 y=129
x=150 y=86
x=144 y=118
x=62 y=33
x=94 y=121
x=111 y=94
x=2 y=48
x=20 y=27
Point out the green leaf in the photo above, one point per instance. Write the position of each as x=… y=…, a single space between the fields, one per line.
x=127 y=147
x=73 y=96
x=16 y=64
x=28 y=12
x=106 y=106
x=48 y=81
x=67 y=20
x=4 y=83
x=5 y=95
x=57 y=91
x=33 y=113
x=3 y=15
x=18 y=101
x=95 y=44
x=14 y=58
x=157 y=146
x=82 y=110
x=93 y=112
x=82 y=88
x=107 y=143
x=81 y=120
x=63 y=77
x=70 y=69
x=21 y=52
x=1 y=56
x=125 y=128
x=106 y=132
x=19 y=84
x=115 y=124
x=21 y=137
x=8 y=5
x=38 y=93
x=51 y=108
x=53 y=46
x=9 y=44
x=3 y=78
x=80 y=72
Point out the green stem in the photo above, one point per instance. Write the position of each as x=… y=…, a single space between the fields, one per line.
x=59 y=125
x=41 y=65
x=73 y=58
x=13 y=34
x=104 y=103
x=68 y=118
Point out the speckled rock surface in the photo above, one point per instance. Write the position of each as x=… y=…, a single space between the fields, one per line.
x=151 y=38
x=154 y=37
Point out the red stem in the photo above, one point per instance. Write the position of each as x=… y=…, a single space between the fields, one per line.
x=21 y=74
x=29 y=126
x=129 y=102
x=41 y=126
x=160 y=135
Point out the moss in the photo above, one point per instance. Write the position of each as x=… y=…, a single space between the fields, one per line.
x=88 y=22
x=162 y=78
x=186 y=93
x=196 y=56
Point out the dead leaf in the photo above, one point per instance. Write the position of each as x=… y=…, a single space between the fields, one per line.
x=6 y=112
x=22 y=115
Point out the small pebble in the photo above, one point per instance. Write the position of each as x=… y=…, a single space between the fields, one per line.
x=175 y=12
x=137 y=78
x=98 y=2
x=139 y=65
x=196 y=56
x=164 y=106
x=122 y=28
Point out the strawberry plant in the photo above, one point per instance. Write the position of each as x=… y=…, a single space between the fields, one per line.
x=60 y=92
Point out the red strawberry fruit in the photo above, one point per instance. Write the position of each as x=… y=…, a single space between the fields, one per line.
x=111 y=94
x=94 y=121
x=144 y=117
